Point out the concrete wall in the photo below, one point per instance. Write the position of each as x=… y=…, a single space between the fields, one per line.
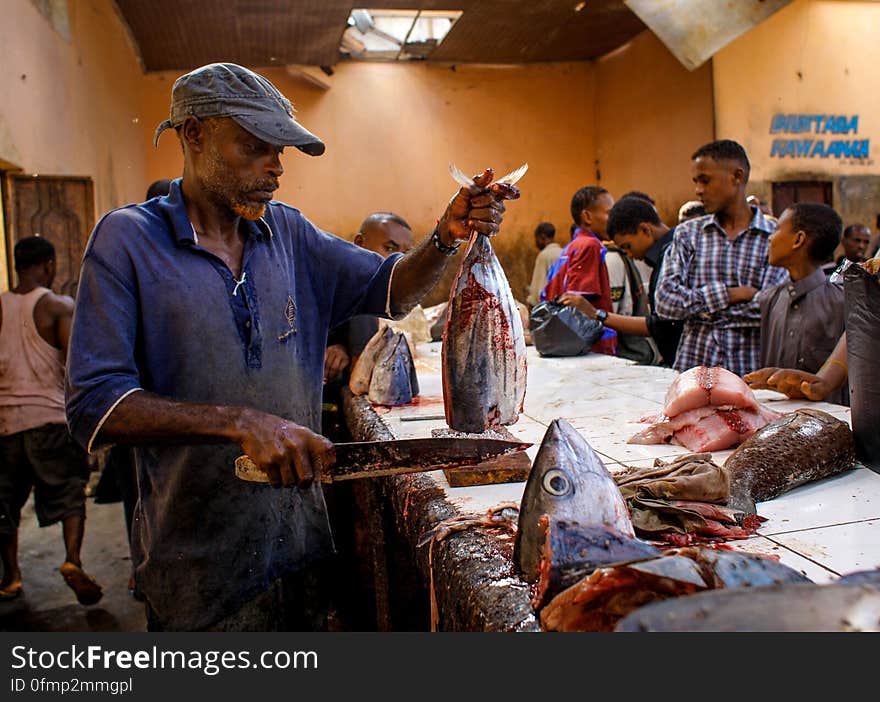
x=814 y=57
x=651 y=115
x=71 y=107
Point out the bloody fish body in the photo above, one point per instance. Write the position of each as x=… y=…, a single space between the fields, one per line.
x=704 y=385
x=602 y=599
x=572 y=552
x=706 y=409
x=797 y=448
x=568 y=482
x=484 y=349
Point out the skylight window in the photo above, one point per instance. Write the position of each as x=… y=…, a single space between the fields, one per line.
x=395 y=35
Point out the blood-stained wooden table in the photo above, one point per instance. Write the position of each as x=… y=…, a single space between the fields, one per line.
x=824 y=529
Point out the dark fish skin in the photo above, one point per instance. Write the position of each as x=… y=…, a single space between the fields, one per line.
x=731 y=569
x=871 y=578
x=572 y=552
x=568 y=482
x=392 y=383
x=484 y=348
x=785 y=608
x=362 y=373
x=797 y=448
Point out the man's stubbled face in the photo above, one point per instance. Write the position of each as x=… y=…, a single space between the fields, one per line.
x=238 y=170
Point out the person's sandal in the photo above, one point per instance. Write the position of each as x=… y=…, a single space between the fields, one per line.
x=87 y=590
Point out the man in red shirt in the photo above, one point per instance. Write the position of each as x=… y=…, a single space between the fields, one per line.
x=580 y=270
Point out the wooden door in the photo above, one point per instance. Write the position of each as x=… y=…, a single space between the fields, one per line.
x=59 y=208
x=790 y=192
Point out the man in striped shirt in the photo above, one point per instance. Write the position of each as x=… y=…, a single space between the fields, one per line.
x=717 y=266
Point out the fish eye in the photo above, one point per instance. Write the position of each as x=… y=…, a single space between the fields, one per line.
x=556 y=482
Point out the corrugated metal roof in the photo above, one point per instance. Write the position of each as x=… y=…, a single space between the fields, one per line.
x=184 y=34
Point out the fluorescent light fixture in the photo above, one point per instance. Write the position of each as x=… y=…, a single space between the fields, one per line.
x=395 y=35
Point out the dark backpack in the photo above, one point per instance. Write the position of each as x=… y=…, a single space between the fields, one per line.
x=559 y=330
x=640 y=349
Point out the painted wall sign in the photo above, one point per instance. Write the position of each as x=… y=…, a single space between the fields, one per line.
x=822 y=142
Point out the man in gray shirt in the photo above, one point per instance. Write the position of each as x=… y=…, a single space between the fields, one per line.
x=802 y=320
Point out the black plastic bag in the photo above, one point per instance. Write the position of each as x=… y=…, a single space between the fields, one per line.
x=560 y=330
x=862 y=299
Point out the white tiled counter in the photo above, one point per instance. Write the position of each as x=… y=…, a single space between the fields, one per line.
x=824 y=529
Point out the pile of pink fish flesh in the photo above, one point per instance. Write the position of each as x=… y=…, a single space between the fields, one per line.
x=706 y=409
x=484 y=347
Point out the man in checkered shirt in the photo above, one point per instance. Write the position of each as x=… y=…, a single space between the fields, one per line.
x=717 y=266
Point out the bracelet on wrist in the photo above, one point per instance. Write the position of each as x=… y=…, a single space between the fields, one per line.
x=441 y=247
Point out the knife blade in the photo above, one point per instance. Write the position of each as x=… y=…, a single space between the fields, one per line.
x=373 y=459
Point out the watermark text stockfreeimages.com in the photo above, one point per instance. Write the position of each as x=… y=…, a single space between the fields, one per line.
x=210 y=662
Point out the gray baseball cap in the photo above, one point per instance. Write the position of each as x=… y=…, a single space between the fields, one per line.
x=230 y=90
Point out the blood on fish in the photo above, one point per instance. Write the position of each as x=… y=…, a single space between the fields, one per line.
x=733 y=419
x=474 y=299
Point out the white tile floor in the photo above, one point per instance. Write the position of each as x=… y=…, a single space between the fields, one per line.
x=823 y=529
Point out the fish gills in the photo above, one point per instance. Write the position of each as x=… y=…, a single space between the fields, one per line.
x=797 y=448
x=484 y=349
x=568 y=482
x=572 y=552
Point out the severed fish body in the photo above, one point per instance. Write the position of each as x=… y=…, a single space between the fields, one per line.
x=785 y=607
x=572 y=552
x=706 y=409
x=394 y=380
x=385 y=370
x=702 y=385
x=797 y=448
x=568 y=482
x=362 y=372
x=706 y=428
x=600 y=600
x=484 y=347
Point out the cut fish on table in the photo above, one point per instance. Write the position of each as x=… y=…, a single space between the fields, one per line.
x=385 y=371
x=568 y=482
x=798 y=448
x=484 y=347
x=706 y=409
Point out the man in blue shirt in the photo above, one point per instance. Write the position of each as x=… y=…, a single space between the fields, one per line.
x=199 y=334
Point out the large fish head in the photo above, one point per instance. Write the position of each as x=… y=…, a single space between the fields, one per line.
x=391 y=383
x=569 y=482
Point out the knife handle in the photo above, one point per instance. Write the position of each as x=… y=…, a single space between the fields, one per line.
x=246 y=469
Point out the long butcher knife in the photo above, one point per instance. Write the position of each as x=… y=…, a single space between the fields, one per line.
x=373 y=459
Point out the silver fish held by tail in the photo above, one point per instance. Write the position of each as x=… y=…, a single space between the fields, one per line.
x=568 y=482
x=797 y=448
x=484 y=348
x=785 y=607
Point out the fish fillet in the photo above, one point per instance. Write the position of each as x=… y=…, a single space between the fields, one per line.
x=701 y=386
